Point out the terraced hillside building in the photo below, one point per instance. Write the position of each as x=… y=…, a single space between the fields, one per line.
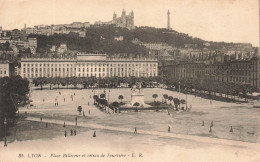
x=88 y=65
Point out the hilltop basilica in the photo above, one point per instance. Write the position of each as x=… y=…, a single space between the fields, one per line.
x=124 y=21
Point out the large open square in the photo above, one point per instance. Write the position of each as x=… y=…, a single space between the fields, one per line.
x=117 y=129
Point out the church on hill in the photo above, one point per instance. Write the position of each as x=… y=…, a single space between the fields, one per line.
x=124 y=21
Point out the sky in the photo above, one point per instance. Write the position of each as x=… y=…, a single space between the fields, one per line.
x=211 y=20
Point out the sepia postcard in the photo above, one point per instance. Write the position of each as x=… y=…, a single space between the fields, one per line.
x=129 y=80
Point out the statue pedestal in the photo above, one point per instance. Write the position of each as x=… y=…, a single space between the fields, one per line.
x=137 y=97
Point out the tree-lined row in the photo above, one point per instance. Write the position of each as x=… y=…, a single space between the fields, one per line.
x=176 y=101
x=87 y=82
x=211 y=88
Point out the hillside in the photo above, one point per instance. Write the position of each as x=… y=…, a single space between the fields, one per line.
x=101 y=39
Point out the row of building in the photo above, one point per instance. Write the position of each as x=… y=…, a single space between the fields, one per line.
x=88 y=65
x=241 y=72
x=124 y=21
x=75 y=27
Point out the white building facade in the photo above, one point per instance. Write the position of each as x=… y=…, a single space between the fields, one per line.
x=88 y=65
x=4 y=69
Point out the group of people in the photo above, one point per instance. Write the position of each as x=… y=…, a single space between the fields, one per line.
x=64 y=99
x=71 y=132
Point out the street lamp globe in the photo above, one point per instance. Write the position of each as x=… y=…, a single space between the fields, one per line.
x=5 y=121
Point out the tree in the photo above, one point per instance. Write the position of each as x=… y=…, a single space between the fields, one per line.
x=115 y=104
x=136 y=104
x=57 y=80
x=102 y=95
x=170 y=98
x=121 y=97
x=182 y=101
x=13 y=93
x=155 y=96
x=176 y=103
x=79 y=109
x=74 y=81
x=40 y=81
x=95 y=97
x=165 y=96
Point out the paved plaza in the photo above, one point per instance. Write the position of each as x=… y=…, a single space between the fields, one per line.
x=187 y=136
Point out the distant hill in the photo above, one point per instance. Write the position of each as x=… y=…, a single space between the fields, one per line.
x=102 y=39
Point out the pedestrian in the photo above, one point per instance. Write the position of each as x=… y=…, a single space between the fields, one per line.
x=55 y=104
x=41 y=118
x=64 y=125
x=64 y=99
x=76 y=120
x=75 y=132
x=94 y=135
x=169 y=129
x=46 y=125
x=65 y=133
x=135 y=131
x=231 y=129
x=71 y=132
x=83 y=113
x=211 y=125
x=210 y=130
x=89 y=112
x=202 y=123
x=74 y=94
x=42 y=100
x=88 y=103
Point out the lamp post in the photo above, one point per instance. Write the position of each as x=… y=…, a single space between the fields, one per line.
x=5 y=123
x=94 y=95
x=105 y=97
x=186 y=99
